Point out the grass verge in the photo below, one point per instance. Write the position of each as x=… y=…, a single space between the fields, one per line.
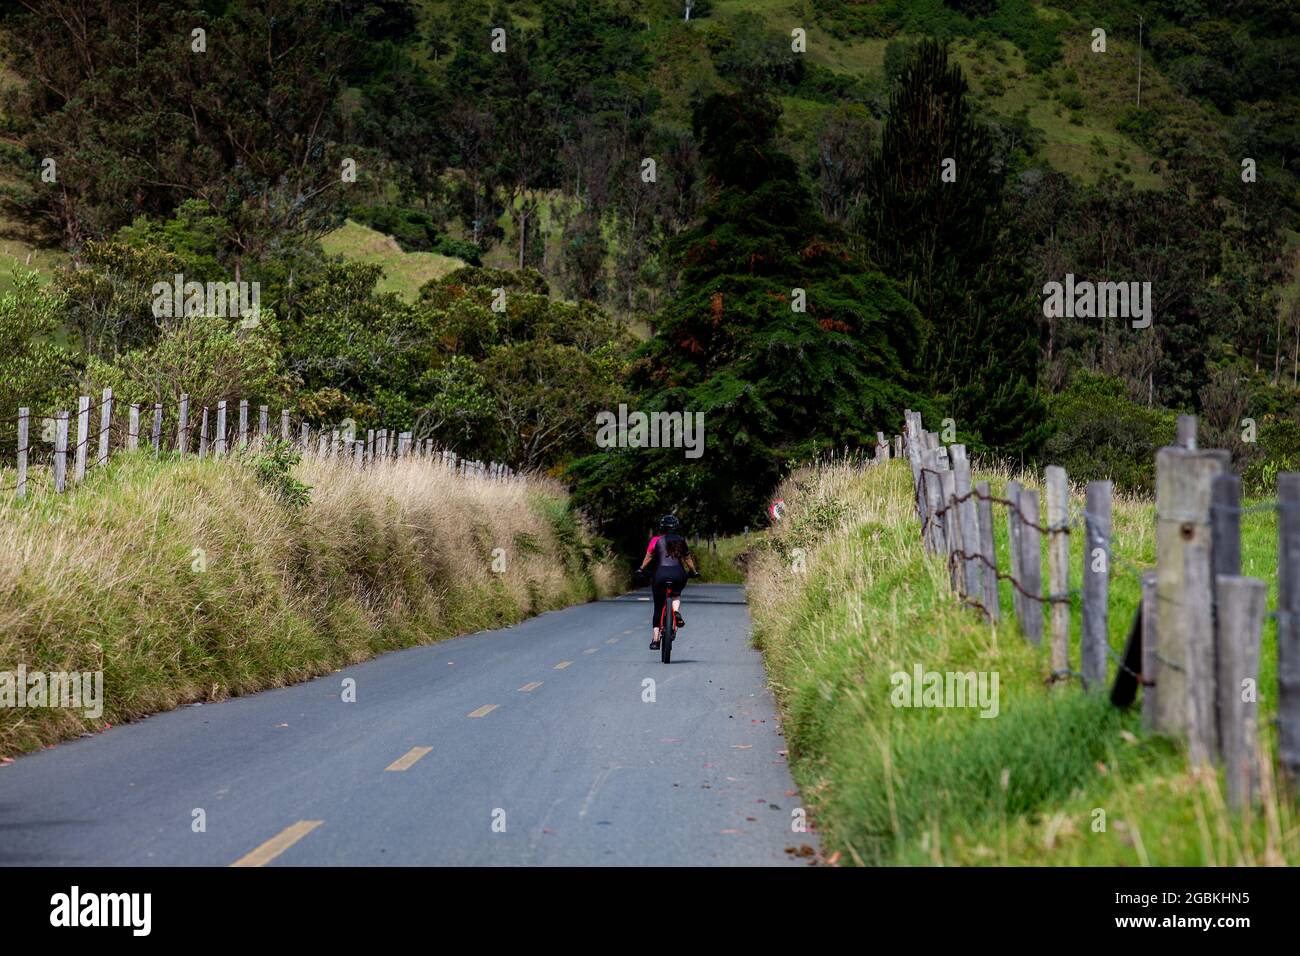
x=188 y=580
x=843 y=597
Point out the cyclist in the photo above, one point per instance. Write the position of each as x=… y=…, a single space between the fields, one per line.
x=673 y=563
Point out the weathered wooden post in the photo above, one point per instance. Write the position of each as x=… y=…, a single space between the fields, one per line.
x=156 y=435
x=83 y=437
x=23 y=415
x=984 y=518
x=951 y=527
x=284 y=425
x=220 y=450
x=1031 y=566
x=1150 y=643
x=1013 y=550
x=61 y=452
x=1058 y=563
x=933 y=463
x=1240 y=604
x=304 y=438
x=1185 y=436
x=1184 y=585
x=263 y=423
x=105 y=423
x=243 y=422
x=183 y=425
x=1096 y=585
x=203 y=434
x=969 y=541
x=1225 y=524
x=133 y=428
x=1288 y=625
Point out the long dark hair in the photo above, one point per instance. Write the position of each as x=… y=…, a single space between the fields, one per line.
x=676 y=547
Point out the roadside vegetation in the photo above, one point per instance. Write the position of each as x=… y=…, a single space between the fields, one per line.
x=918 y=786
x=186 y=580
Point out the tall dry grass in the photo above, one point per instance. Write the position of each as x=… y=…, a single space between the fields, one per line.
x=187 y=580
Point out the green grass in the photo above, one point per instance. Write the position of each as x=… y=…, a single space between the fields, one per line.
x=843 y=596
x=404 y=272
x=724 y=563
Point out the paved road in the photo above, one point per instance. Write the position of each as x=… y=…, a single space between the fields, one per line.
x=527 y=745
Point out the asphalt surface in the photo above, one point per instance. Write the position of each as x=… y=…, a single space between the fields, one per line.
x=542 y=749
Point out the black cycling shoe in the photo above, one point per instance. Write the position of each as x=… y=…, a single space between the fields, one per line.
x=654 y=645
x=681 y=621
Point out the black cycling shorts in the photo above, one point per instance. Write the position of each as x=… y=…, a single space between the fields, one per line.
x=664 y=576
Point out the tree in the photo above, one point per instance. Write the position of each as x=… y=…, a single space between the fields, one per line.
x=785 y=342
x=934 y=219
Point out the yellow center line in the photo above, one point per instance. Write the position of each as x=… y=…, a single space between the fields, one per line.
x=482 y=711
x=407 y=760
x=273 y=847
x=531 y=685
x=562 y=665
x=591 y=650
x=612 y=640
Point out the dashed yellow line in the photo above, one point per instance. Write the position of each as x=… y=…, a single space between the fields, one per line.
x=531 y=685
x=408 y=759
x=273 y=847
x=562 y=665
x=591 y=650
x=482 y=711
x=612 y=640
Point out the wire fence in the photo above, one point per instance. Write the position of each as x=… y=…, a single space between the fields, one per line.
x=1193 y=645
x=52 y=457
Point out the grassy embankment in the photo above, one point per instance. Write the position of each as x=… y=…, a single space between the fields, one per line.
x=1033 y=785
x=190 y=581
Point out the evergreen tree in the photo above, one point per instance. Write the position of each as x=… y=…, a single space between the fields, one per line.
x=775 y=383
x=934 y=218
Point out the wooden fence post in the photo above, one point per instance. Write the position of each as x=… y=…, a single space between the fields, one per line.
x=1150 y=643
x=263 y=423
x=1096 y=585
x=183 y=425
x=304 y=438
x=243 y=422
x=989 y=564
x=220 y=449
x=156 y=437
x=972 y=570
x=1013 y=551
x=1185 y=434
x=320 y=444
x=61 y=452
x=203 y=434
x=931 y=520
x=83 y=437
x=23 y=415
x=1240 y=604
x=1288 y=625
x=284 y=424
x=951 y=526
x=1225 y=524
x=105 y=423
x=370 y=443
x=1031 y=566
x=133 y=429
x=1185 y=611
x=1057 y=487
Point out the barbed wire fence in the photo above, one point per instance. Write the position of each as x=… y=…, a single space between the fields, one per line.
x=52 y=458
x=1193 y=646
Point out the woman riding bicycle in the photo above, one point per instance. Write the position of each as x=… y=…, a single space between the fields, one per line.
x=673 y=563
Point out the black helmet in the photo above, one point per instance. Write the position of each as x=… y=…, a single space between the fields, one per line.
x=669 y=524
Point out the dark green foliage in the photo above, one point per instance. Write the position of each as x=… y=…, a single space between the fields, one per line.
x=957 y=253
x=774 y=385
x=1099 y=432
x=273 y=465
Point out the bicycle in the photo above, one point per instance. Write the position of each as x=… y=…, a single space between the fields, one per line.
x=667 y=628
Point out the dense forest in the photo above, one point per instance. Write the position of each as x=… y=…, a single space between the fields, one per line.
x=489 y=222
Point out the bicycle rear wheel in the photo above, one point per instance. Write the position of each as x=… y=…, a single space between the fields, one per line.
x=666 y=636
